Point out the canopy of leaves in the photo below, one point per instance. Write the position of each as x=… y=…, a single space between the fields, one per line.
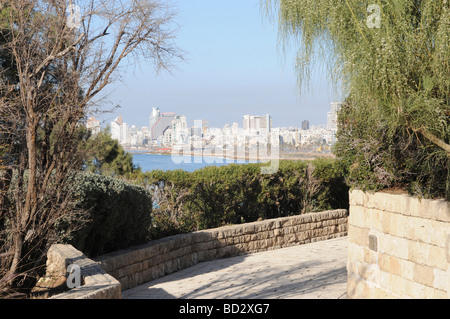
x=107 y=157
x=234 y=194
x=395 y=74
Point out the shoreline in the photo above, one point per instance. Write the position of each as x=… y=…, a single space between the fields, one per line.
x=283 y=157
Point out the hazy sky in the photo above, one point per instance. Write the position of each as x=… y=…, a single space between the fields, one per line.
x=234 y=67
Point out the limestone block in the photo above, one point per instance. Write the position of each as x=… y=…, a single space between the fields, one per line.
x=394 y=246
x=419 y=291
x=448 y=281
x=440 y=279
x=355 y=256
x=396 y=285
x=420 y=208
x=441 y=210
x=436 y=257
x=249 y=229
x=439 y=294
x=396 y=203
x=357 y=198
x=359 y=236
x=357 y=216
x=424 y=275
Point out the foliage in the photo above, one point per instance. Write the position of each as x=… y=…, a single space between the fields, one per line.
x=107 y=157
x=395 y=131
x=234 y=194
x=52 y=74
x=119 y=214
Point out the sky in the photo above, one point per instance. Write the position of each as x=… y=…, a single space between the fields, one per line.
x=234 y=66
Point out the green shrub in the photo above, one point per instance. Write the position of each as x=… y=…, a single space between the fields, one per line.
x=234 y=194
x=378 y=157
x=119 y=214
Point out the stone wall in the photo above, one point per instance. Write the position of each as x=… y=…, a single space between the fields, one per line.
x=95 y=282
x=399 y=247
x=162 y=257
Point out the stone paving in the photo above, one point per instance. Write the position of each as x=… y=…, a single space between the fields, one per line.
x=311 y=271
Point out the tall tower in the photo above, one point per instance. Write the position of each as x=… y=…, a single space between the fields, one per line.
x=154 y=117
x=332 y=119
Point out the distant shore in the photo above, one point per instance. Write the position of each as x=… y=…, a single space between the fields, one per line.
x=295 y=156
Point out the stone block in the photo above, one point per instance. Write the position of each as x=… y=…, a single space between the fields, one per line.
x=439 y=294
x=424 y=275
x=394 y=246
x=441 y=210
x=355 y=256
x=357 y=216
x=419 y=291
x=357 y=198
x=249 y=229
x=370 y=256
x=440 y=279
x=359 y=236
x=436 y=257
x=396 y=285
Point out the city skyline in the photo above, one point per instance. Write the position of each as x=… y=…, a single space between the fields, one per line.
x=233 y=66
x=171 y=131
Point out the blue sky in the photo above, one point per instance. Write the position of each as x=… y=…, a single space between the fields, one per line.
x=233 y=67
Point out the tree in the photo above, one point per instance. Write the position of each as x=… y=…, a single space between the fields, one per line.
x=392 y=59
x=65 y=53
x=106 y=156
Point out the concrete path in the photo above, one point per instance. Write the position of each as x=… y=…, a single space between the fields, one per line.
x=312 y=271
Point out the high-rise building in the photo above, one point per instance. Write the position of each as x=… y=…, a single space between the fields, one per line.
x=180 y=129
x=332 y=116
x=116 y=128
x=154 y=116
x=93 y=125
x=246 y=123
x=305 y=125
x=257 y=124
x=164 y=122
x=332 y=119
x=120 y=131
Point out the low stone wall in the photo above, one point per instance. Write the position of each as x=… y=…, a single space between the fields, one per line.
x=162 y=257
x=399 y=247
x=95 y=282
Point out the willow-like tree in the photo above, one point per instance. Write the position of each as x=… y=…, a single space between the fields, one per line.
x=64 y=53
x=392 y=61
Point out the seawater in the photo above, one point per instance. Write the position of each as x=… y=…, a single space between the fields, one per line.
x=149 y=162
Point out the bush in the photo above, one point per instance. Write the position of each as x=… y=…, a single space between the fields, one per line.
x=377 y=156
x=234 y=194
x=119 y=214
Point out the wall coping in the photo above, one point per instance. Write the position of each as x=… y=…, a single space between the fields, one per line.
x=96 y=283
x=405 y=204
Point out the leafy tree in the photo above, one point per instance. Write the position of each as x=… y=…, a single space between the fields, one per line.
x=106 y=156
x=392 y=60
x=234 y=194
x=59 y=69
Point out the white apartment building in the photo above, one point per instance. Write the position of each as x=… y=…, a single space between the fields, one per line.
x=93 y=125
x=120 y=131
x=256 y=124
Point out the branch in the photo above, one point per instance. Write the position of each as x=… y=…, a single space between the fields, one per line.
x=53 y=57
x=434 y=139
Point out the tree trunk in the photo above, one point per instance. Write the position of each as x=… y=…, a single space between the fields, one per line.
x=23 y=217
x=18 y=240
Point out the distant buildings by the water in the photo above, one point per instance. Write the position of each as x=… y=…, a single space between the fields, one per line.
x=171 y=131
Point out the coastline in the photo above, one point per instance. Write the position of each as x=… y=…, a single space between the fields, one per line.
x=297 y=156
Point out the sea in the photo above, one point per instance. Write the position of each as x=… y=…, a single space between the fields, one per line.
x=148 y=162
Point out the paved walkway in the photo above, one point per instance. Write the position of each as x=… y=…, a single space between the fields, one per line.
x=312 y=271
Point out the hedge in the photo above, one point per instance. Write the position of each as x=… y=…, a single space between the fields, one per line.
x=119 y=214
x=234 y=194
